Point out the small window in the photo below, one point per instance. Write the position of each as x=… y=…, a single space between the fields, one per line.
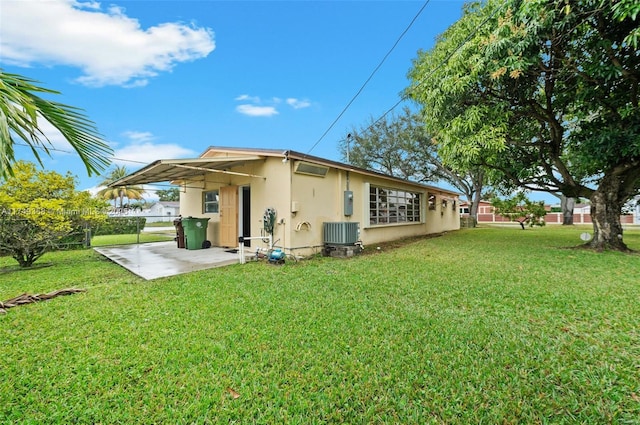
x=432 y=201
x=211 y=201
x=311 y=169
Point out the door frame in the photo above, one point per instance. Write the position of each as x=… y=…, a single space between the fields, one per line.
x=244 y=214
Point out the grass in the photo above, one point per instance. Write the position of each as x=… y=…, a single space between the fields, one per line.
x=487 y=325
x=104 y=240
x=159 y=224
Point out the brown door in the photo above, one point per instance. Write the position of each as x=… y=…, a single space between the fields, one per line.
x=229 y=216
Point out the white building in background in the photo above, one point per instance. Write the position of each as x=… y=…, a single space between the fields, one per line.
x=162 y=211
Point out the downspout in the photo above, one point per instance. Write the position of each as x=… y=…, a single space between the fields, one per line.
x=284 y=230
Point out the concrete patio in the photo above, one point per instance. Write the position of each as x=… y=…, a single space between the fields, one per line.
x=162 y=259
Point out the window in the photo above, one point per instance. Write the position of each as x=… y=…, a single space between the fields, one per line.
x=432 y=201
x=388 y=206
x=311 y=169
x=211 y=201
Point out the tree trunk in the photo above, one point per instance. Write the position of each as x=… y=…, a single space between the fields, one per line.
x=567 y=205
x=475 y=203
x=606 y=207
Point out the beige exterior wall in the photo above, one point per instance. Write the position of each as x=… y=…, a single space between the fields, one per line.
x=304 y=202
x=270 y=190
x=432 y=221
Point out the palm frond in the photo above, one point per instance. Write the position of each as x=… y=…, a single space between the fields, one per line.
x=20 y=110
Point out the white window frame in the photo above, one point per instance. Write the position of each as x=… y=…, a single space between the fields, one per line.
x=392 y=206
x=213 y=203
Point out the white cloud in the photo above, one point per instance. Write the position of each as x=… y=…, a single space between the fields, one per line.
x=256 y=108
x=246 y=97
x=297 y=103
x=139 y=154
x=139 y=136
x=58 y=143
x=141 y=150
x=257 y=111
x=110 y=47
x=93 y=190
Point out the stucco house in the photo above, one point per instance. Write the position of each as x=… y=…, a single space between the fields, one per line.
x=234 y=187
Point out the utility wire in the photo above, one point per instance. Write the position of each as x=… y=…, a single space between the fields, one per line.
x=440 y=65
x=370 y=76
x=70 y=152
x=422 y=81
x=118 y=159
x=402 y=99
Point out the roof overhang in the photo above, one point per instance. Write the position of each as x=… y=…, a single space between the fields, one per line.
x=181 y=170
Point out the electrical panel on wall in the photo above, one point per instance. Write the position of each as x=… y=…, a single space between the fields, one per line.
x=348 y=202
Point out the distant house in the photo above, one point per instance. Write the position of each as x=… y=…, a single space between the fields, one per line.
x=163 y=211
x=237 y=189
x=581 y=214
x=485 y=210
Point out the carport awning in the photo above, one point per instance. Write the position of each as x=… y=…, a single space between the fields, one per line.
x=164 y=170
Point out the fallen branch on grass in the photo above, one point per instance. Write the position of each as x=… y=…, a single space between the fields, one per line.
x=27 y=299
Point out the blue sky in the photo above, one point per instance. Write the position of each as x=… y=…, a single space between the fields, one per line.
x=166 y=79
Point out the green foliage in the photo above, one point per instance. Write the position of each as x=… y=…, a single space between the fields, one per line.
x=397 y=145
x=172 y=194
x=624 y=10
x=120 y=192
x=477 y=334
x=400 y=146
x=41 y=210
x=22 y=109
x=520 y=208
x=544 y=92
x=119 y=226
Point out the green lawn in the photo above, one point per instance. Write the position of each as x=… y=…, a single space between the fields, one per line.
x=159 y=224
x=486 y=325
x=104 y=240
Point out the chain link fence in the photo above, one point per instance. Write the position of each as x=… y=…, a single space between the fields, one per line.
x=132 y=229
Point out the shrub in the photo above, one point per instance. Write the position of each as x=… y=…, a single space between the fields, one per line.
x=119 y=226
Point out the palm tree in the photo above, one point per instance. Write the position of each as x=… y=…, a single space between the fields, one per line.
x=20 y=110
x=120 y=192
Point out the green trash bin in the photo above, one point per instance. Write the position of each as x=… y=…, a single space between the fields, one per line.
x=195 y=231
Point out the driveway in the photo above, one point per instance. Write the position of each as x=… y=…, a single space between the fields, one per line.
x=162 y=259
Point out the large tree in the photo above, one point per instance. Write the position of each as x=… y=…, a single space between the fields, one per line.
x=546 y=92
x=400 y=145
x=171 y=194
x=22 y=111
x=120 y=192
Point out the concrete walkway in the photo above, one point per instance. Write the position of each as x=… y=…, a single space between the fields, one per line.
x=162 y=259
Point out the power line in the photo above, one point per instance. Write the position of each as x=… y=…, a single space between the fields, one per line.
x=423 y=80
x=370 y=77
x=402 y=99
x=119 y=159
x=441 y=64
x=46 y=149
